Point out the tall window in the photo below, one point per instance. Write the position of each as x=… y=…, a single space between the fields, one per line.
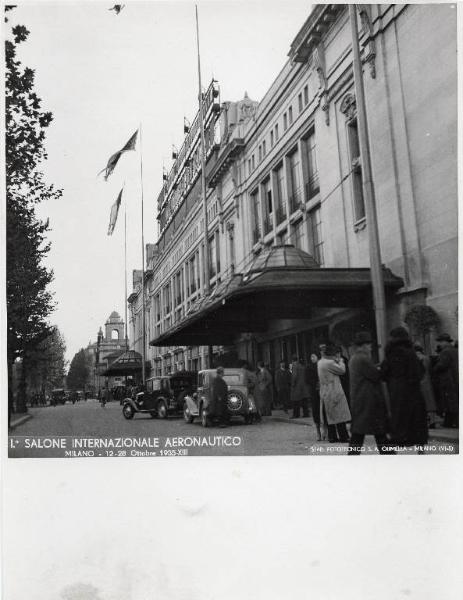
x=255 y=212
x=167 y=299
x=268 y=202
x=306 y=95
x=212 y=256
x=299 y=101
x=264 y=149
x=178 y=288
x=312 y=185
x=280 y=191
x=271 y=139
x=316 y=241
x=276 y=132
x=290 y=114
x=298 y=234
x=285 y=121
x=357 y=178
x=193 y=271
x=295 y=180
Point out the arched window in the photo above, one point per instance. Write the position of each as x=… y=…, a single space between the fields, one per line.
x=115 y=334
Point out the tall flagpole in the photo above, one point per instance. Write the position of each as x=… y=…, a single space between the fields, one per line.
x=203 y=178
x=143 y=367
x=203 y=166
x=125 y=275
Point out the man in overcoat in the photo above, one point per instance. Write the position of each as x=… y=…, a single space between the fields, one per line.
x=263 y=390
x=283 y=386
x=299 y=388
x=446 y=371
x=218 y=407
x=367 y=403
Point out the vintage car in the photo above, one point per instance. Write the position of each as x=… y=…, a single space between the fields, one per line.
x=162 y=396
x=58 y=396
x=240 y=401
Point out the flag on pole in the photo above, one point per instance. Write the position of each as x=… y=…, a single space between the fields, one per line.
x=114 y=213
x=113 y=160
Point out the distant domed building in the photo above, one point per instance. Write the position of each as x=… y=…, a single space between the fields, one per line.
x=108 y=347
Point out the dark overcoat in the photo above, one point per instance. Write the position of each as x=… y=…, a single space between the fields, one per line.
x=367 y=403
x=263 y=392
x=218 y=404
x=403 y=371
x=446 y=370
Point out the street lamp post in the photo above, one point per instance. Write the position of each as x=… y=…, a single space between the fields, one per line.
x=377 y=279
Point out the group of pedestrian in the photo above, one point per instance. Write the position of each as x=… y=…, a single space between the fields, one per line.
x=407 y=373
x=338 y=391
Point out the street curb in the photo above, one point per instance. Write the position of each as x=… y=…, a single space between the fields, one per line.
x=19 y=421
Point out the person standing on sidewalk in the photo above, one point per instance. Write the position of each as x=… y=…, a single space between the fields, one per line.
x=403 y=373
x=299 y=391
x=283 y=386
x=263 y=390
x=333 y=402
x=367 y=403
x=311 y=377
x=426 y=386
x=219 y=398
x=446 y=370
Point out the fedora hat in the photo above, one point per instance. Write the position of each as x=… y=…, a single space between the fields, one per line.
x=362 y=337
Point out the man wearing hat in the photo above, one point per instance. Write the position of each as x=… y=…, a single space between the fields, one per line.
x=333 y=402
x=368 y=407
x=446 y=370
x=219 y=398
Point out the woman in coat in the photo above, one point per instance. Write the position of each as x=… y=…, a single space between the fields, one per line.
x=333 y=402
x=403 y=373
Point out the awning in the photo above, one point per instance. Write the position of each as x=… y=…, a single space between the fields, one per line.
x=281 y=283
x=128 y=363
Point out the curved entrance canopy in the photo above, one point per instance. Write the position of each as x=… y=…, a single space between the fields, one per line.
x=282 y=282
x=128 y=363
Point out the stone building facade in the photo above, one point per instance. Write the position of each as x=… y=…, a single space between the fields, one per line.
x=110 y=345
x=287 y=171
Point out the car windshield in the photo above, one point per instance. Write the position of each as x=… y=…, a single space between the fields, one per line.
x=179 y=383
x=233 y=378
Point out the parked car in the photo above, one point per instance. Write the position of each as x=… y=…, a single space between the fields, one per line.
x=162 y=396
x=58 y=396
x=240 y=401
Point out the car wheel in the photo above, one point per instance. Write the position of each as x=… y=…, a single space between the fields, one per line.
x=162 y=410
x=128 y=411
x=204 y=417
x=187 y=414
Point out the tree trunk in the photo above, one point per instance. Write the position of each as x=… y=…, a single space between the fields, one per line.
x=10 y=390
x=22 y=389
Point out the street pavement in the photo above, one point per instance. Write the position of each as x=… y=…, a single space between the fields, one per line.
x=277 y=435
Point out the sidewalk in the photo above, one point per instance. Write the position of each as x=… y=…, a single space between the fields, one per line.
x=441 y=434
x=17 y=420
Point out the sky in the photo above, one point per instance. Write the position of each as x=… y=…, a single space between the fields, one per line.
x=105 y=75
